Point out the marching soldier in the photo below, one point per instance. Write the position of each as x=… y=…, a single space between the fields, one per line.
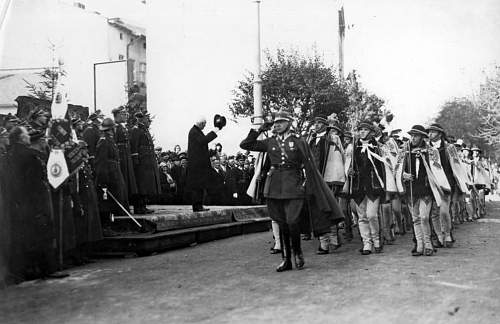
x=320 y=148
x=285 y=188
x=419 y=190
x=122 y=141
x=368 y=186
x=146 y=171
x=440 y=216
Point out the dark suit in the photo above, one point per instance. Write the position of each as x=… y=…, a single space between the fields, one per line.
x=199 y=170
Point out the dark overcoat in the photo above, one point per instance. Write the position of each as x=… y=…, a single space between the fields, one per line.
x=199 y=171
x=91 y=221
x=91 y=136
x=29 y=210
x=123 y=142
x=109 y=175
x=147 y=174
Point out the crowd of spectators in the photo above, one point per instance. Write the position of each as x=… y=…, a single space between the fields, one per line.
x=233 y=174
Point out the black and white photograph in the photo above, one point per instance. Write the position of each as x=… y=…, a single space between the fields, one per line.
x=249 y=161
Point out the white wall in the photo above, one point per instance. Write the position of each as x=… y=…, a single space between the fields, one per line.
x=82 y=38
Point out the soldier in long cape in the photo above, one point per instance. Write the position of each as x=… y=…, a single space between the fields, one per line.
x=285 y=188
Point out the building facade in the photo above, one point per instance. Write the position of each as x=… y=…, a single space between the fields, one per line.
x=36 y=34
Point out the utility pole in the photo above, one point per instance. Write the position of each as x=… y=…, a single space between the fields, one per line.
x=257 y=84
x=341 y=43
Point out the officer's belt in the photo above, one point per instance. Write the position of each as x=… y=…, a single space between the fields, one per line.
x=285 y=166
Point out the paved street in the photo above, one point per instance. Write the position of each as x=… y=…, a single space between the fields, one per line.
x=233 y=281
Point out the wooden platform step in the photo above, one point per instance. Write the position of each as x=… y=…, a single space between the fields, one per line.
x=147 y=243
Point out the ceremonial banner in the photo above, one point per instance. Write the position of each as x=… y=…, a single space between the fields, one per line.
x=398 y=171
x=60 y=100
x=334 y=164
x=74 y=157
x=259 y=162
x=389 y=151
x=57 y=169
x=437 y=169
x=60 y=131
x=347 y=164
x=458 y=168
x=481 y=176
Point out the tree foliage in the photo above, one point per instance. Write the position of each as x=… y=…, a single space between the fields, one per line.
x=303 y=86
x=362 y=104
x=488 y=103
x=462 y=119
x=306 y=87
x=45 y=88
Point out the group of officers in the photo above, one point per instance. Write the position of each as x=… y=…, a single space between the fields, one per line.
x=118 y=169
x=379 y=181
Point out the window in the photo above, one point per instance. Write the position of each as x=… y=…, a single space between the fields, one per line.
x=121 y=36
x=121 y=57
x=141 y=74
x=144 y=45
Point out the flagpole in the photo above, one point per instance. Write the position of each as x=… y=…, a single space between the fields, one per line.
x=341 y=43
x=257 y=84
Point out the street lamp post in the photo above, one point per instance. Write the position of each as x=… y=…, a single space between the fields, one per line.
x=257 y=84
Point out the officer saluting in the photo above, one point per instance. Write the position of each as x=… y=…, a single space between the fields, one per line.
x=285 y=186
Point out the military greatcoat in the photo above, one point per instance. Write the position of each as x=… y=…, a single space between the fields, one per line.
x=126 y=165
x=147 y=173
x=109 y=175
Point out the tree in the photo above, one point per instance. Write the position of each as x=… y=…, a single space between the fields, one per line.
x=362 y=104
x=462 y=119
x=489 y=104
x=45 y=88
x=303 y=86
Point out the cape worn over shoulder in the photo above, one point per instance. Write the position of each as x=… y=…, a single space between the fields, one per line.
x=320 y=197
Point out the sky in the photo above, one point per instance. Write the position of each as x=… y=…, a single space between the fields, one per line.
x=415 y=55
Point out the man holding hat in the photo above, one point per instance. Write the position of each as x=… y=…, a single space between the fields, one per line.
x=418 y=190
x=440 y=216
x=123 y=142
x=199 y=169
x=146 y=171
x=285 y=187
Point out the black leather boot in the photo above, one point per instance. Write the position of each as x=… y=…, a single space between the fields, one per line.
x=286 y=264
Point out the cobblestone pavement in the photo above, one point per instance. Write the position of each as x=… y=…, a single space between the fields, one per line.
x=234 y=281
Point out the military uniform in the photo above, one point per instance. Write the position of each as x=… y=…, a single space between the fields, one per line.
x=91 y=136
x=109 y=175
x=126 y=165
x=284 y=188
x=147 y=173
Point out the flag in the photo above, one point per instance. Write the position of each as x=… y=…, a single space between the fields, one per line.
x=341 y=23
x=57 y=169
x=60 y=99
